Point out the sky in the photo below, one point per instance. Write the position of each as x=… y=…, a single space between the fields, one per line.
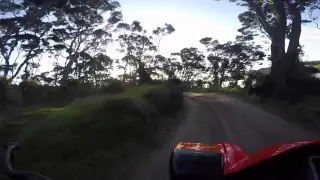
x=195 y=19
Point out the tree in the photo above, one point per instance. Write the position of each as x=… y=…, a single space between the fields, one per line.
x=160 y=32
x=136 y=47
x=277 y=20
x=231 y=58
x=192 y=62
x=215 y=59
x=93 y=69
x=22 y=35
x=168 y=66
x=81 y=28
x=242 y=56
x=313 y=7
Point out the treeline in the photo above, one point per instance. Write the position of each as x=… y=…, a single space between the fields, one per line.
x=76 y=34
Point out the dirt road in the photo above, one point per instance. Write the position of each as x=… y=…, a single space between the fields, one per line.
x=217 y=118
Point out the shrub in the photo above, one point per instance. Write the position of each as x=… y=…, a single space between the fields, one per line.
x=144 y=76
x=113 y=88
x=29 y=91
x=176 y=96
x=167 y=99
x=156 y=82
x=3 y=93
x=94 y=135
x=71 y=87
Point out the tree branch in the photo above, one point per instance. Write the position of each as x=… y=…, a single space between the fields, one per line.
x=313 y=19
x=266 y=26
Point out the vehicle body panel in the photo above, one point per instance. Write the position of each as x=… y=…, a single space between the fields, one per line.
x=236 y=159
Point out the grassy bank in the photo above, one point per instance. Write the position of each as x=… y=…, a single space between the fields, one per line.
x=92 y=138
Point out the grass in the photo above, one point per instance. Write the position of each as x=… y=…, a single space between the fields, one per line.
x=231 y=91
x=317 y=66
x=91 y=138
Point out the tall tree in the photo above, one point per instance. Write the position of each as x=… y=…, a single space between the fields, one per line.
x=192 y=62
x=136 y=47
x=278 y=20
x=23 y=32
x=215 y=58
x=169 y=66
x=232 y=58
x=242 y=56
x=93 y=69
x=160 y=32
x=82 y=27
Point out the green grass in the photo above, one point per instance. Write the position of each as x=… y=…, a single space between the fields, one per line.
x=317 y=66
x=91 y=138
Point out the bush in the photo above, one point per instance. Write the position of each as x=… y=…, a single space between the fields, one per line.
x=30 y=91
x=297 y=88
x=113 y=88
x=3 y=94
x=144 y=76
x=95 y=135
x=167 y=99
x=70 y=88
x=156 y=82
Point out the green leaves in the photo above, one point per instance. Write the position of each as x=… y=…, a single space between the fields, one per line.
x=116 y=16
x=192 y=62
x=59 y=47
x=166 y=30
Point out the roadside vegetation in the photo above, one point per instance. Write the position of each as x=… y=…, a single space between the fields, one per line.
x=95 y=136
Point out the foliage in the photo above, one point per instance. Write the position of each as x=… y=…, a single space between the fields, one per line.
x=80 y=32
x=93 y=137
x=3 y=93
x=231 y=60
x=112 y=88
x=22 y=35
x=277 y=21
x=75 y=32
x=299 y=82
x=29 y=90
x=108 y=122
x=192 y=62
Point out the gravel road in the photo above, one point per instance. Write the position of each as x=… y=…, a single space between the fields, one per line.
x=218 y=118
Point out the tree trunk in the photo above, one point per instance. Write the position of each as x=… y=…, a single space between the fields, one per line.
x=222 y=78
x=66 y=73
x=278 y=74
x=216 y=74
x=278 y=36
x=5 y=71
x=6 y=67
x=3 y=94
x=280 y=63
x=68 y=69
x=216 y=78
x=296 y=29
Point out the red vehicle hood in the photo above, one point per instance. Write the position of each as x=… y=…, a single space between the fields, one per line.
x=236 y=159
